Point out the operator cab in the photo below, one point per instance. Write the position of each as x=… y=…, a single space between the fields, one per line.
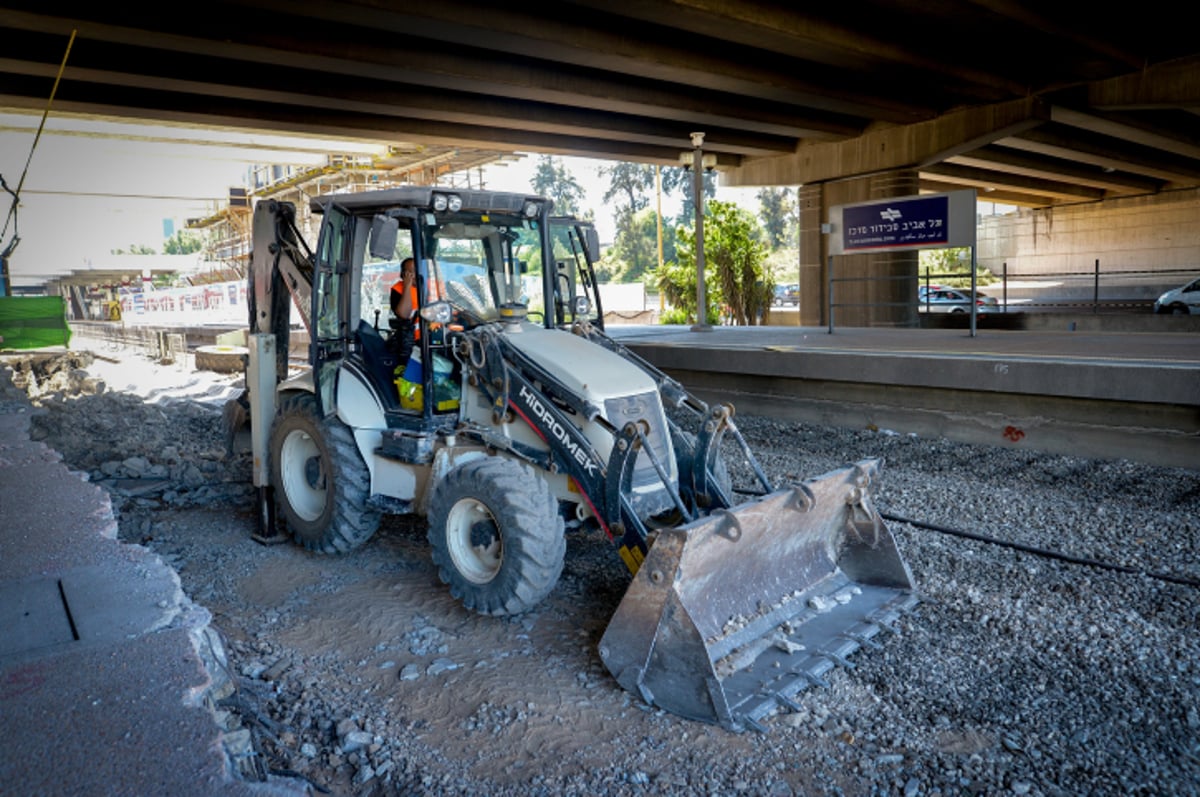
x=476 y=259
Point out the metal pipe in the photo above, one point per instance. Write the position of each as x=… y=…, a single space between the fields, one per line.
x=829 y=282
x=1004 y=284
x=974 y=293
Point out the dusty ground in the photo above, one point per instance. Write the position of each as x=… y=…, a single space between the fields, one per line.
x=1017 y=674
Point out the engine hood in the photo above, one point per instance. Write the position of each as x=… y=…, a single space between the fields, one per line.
x=584 y=367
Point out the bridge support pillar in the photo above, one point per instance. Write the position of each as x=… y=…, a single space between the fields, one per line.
x=879 y=302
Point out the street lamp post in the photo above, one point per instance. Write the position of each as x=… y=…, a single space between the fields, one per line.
x=702 y=324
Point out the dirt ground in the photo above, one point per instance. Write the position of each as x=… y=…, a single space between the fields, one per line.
x=361 y=674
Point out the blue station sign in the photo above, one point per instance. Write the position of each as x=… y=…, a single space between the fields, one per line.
x=931 y=221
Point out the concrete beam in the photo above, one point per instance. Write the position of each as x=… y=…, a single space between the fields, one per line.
x=893 y=148
x=1166 y=86
x=418 y=103
x=593 y=44
x=1104 y=152
x=787 y=29
x=1001 y=194
x=1126 y=130
x=988 y=178
x=426 y=64
x=1018 y=163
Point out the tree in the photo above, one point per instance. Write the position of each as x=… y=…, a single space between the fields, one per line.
x=779 y=216
x=676 y=281
x=552 y=179
x=634 y=252
x=951 y=267
x=630 y=182
x=735 y=258
x=182 y=243
x=136 y=249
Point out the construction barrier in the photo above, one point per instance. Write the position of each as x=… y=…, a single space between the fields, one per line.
x=33 y=322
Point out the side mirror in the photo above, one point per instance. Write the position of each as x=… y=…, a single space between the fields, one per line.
x=384 y=230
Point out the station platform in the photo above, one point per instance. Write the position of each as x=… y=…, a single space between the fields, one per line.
x=1104 y=394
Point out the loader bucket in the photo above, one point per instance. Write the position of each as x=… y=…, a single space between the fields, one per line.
x=732 y=615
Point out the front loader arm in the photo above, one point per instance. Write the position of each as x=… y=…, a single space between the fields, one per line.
x=714 y=422
x=504 y=376
x=281 y=274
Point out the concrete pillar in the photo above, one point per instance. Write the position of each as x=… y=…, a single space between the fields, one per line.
x=879 y=302
x=813 y=299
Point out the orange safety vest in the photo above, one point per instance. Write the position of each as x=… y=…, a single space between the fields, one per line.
x=397 y=290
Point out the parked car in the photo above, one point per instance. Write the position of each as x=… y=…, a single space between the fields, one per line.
x=1180 y=301
x=952 y=300
x=787 y=294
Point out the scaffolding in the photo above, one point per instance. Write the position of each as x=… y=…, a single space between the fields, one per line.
x=228 y=227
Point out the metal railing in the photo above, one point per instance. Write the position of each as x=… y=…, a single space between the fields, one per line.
x=1097 y=290
x=1126 y=290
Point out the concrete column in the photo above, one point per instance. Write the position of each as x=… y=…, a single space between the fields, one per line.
x=813 y=299
x=882 y=302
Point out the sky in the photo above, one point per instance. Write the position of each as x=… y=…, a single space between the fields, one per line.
x=92 y=186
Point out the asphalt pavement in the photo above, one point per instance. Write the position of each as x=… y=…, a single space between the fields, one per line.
x=102 y=686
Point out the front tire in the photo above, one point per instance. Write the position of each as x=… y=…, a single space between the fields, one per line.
x=320 y=479
x=496 y=535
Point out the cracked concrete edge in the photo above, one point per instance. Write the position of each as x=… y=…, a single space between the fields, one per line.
x=159 y=604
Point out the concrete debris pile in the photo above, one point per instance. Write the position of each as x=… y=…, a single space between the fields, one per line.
x=145 y=454
x=44 y=376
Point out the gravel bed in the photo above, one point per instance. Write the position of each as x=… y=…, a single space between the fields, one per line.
x=1017 y=673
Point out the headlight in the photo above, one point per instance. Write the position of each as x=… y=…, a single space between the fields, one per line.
x=444 y=202
x=531 y=209
x=582 y=305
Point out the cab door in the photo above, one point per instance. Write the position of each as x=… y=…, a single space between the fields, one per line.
x=331 y=304
x=570 y=276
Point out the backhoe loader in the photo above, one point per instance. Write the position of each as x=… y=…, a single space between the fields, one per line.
x=518 y=416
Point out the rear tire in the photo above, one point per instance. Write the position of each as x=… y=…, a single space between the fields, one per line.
x=496 y=535
x=320 y=479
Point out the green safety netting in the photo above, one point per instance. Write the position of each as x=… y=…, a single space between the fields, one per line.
x=33 y=322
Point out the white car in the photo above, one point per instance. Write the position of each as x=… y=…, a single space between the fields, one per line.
x=1180 y=301
x=950 y=300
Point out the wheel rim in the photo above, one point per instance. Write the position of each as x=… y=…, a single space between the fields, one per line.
x=473 y=539
x=302 y=475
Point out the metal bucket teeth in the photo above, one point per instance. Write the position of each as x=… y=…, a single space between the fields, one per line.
x=731 y=616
